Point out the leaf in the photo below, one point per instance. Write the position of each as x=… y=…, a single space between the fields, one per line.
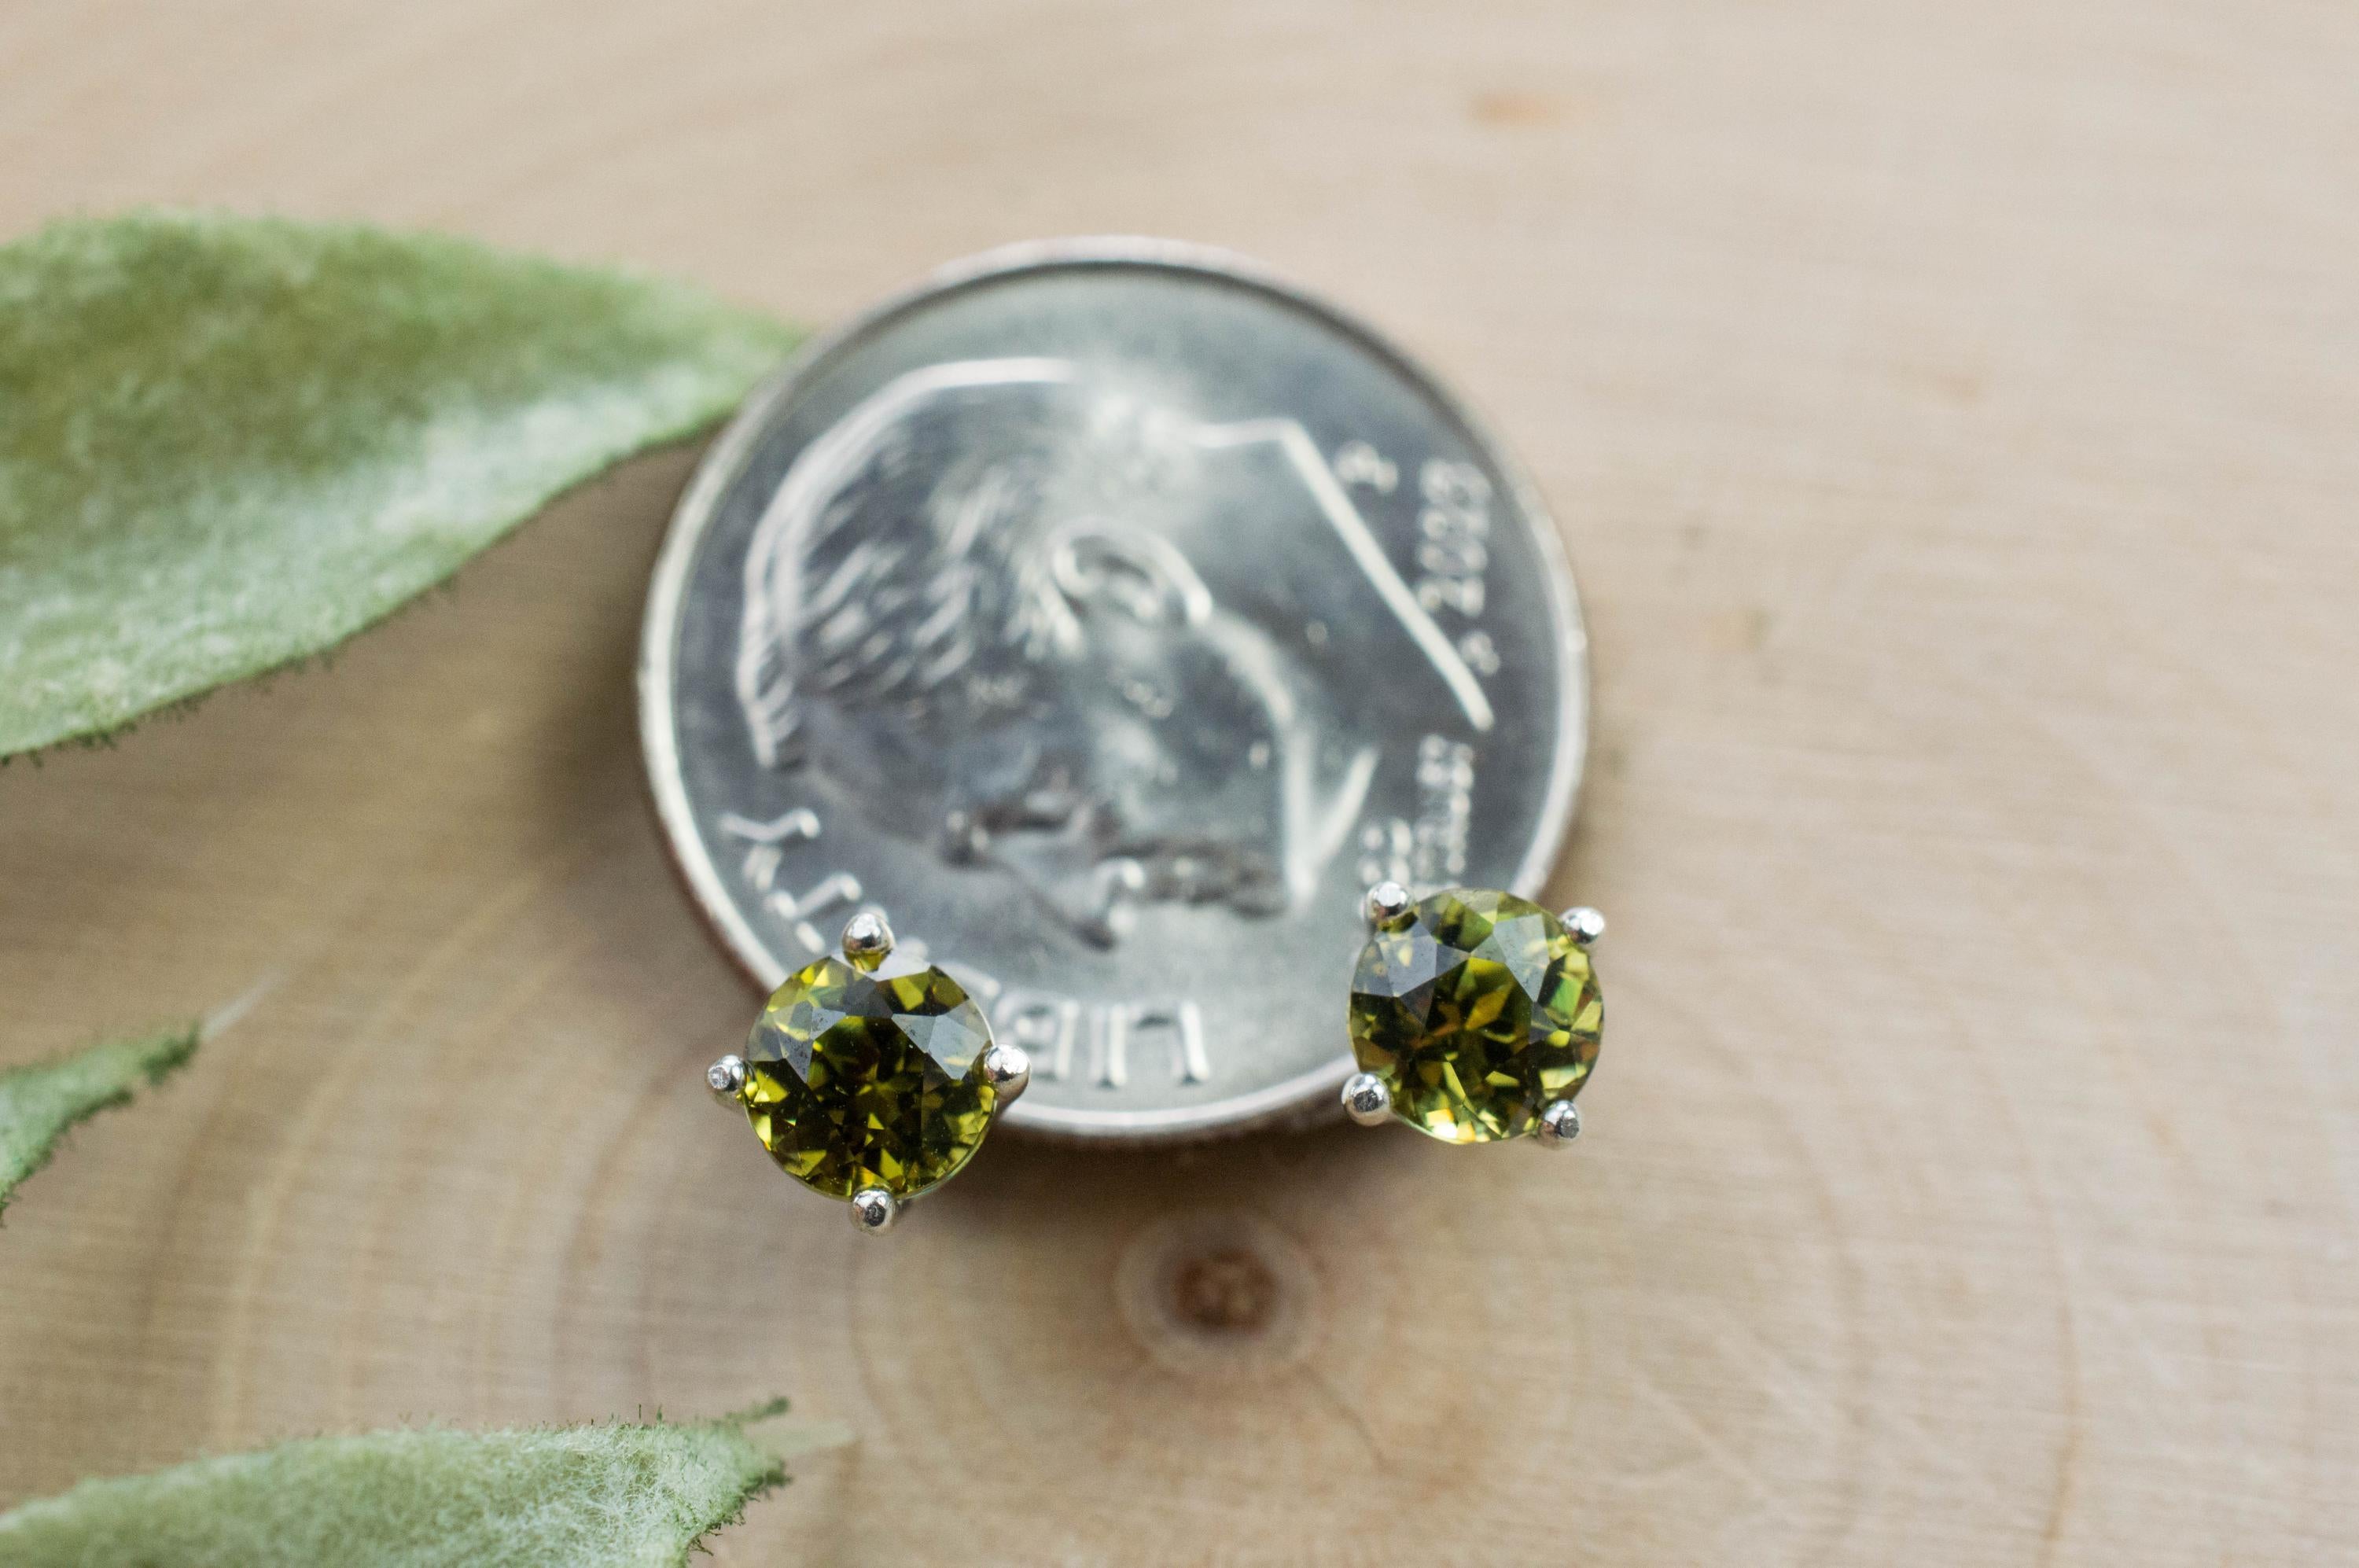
x=39 y=1102
x=583 y=1497
x=228 y=443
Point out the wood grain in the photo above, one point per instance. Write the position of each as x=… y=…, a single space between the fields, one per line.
x=1951 y=411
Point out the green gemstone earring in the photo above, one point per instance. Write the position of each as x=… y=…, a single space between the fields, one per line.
x=1475 y=1016
x=870 y=1087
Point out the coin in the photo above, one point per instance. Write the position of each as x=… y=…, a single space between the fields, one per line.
x=1110 y=615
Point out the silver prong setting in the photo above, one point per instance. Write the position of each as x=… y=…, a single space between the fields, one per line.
x=867 y=939
x=1583 y=924
x=1008 y=1070
x=1366 y=1100
x=1559 y=1125
x=874 y=1210
x=1384 y=905
x=726 y=1079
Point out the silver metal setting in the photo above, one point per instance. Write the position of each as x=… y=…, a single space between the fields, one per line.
x=1366 y=1100
x=1008 y=1069
x=706 y=855
x=726 y=1078
x=867 y=939
x=1583 y=924
x=1386 y=904
x=874 y=1210
x=1559 y=1125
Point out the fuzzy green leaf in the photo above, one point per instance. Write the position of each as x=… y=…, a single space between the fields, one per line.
x=229 y=443
x=39 y=1102
x=583 y=1497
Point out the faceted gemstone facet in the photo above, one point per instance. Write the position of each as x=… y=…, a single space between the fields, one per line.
x=858 y=1080
x=1477 y=1009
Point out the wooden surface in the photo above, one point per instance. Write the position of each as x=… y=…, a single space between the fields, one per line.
x=1954 y=414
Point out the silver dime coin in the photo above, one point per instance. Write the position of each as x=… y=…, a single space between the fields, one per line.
x=1110 y=615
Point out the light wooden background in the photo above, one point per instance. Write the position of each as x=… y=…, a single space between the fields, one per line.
x=1954 y=414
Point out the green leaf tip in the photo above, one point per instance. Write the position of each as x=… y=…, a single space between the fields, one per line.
x=755 y=1415
x=228 y=443
x=583 y=1497
x=40 y=1102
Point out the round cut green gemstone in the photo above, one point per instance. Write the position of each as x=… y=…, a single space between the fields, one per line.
x=858 y=1080
x=1476 y=1009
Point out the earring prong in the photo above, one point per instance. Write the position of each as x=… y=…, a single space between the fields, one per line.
x=874 y=1210
x=1386 y=904
x=1366 y=1100
x=1008 y=1070
x=867 y=939
x=1583 y=924
x=726 y=1078
x=1559 y=1125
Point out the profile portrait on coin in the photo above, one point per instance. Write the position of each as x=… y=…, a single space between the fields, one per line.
x=1037 y=622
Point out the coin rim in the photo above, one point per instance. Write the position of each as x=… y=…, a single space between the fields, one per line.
x=1304 y=1095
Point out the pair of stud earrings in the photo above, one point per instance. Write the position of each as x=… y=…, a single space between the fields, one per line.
x=1474 y=1018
